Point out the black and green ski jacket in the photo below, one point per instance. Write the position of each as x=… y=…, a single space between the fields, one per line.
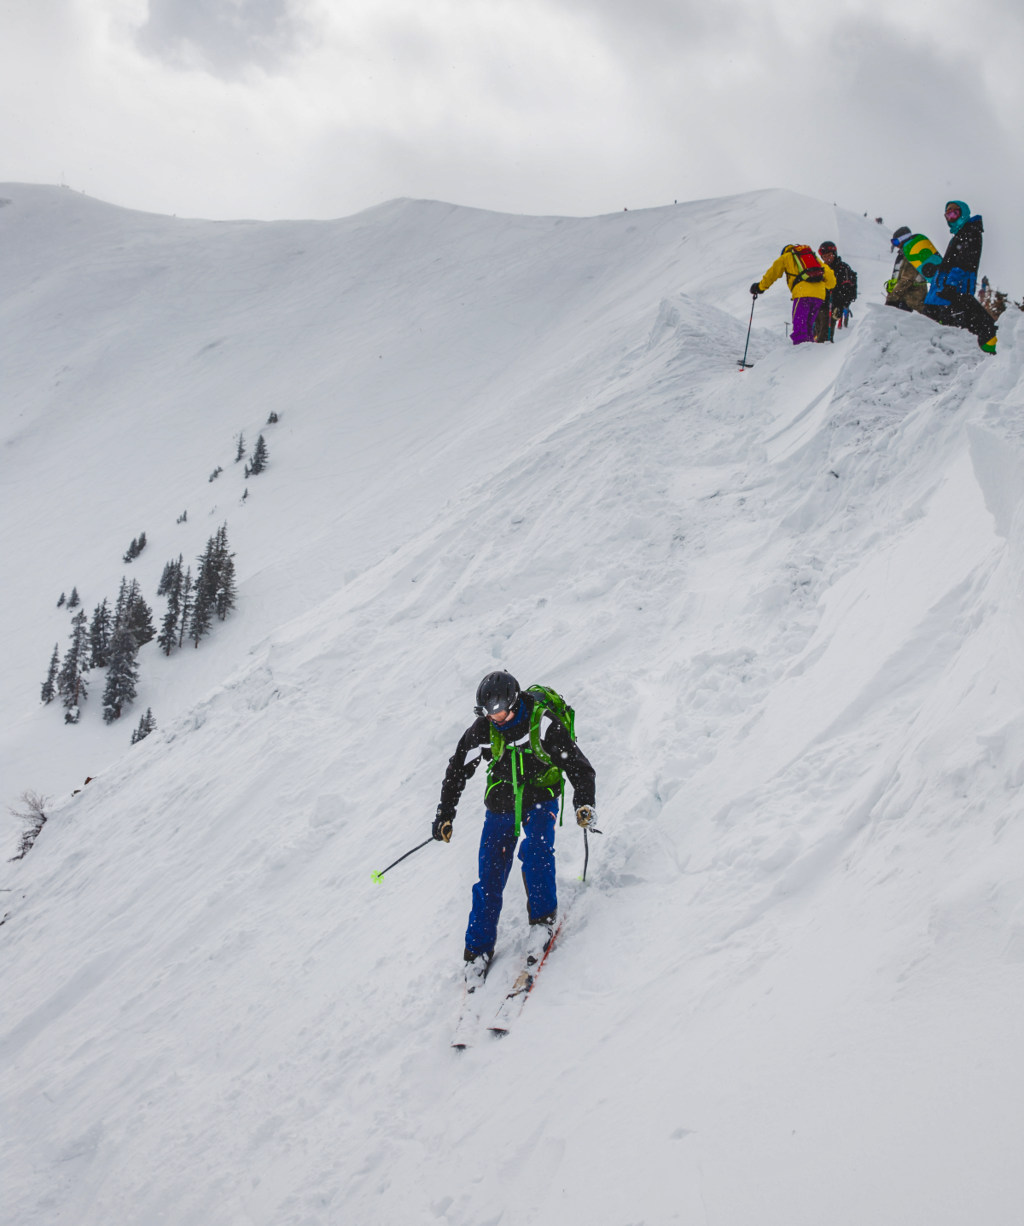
x=539 y=783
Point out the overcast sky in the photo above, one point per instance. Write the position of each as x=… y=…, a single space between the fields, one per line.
x=319 y=108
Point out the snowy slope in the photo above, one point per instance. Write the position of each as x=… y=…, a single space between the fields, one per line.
x=784 y=602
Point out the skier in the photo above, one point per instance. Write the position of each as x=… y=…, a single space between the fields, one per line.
x=950 y=299
x=836 y=312
x=906 y=288
x=527 y=750
x=808 y=280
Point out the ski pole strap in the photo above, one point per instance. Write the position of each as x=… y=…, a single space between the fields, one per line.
x=418 y=847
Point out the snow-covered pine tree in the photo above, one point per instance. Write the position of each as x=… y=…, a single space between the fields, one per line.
x=49 y=688
x=240 y=449
x=99 y=635
x=214 y=591
x=172 y=586
x=146 y=725
x=122 y=673
x=170 y=571
x=62 y=601
x=187 y=601
x=71 y=683
x=135 y=548
x=259 y=458
x=74 y=600
x=204 y=594
x=226 y=592
x=131 y=610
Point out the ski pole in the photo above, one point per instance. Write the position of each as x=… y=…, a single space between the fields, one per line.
x=378 y=876
x=744 y=363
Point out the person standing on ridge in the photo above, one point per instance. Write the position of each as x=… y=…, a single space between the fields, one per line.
x=809 y=281
x=839 y=300
x=950 y=299
x=906 y=288
x=527 y=749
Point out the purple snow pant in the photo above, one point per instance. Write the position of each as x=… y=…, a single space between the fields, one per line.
x=805 y=312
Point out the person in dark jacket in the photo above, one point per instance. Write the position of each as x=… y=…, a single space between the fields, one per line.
x=527 y=750
x=835 y=313
x=950 y=299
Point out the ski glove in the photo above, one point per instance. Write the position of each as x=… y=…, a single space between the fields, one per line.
x=586 y=817
x=442 y=829
x=755 y=289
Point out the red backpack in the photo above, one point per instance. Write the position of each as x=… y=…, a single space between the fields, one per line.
x=811 y=268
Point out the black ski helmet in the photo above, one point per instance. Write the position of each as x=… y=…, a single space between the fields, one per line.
x=497 y=692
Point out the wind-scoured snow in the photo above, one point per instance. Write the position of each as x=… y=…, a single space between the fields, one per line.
x=785 y=603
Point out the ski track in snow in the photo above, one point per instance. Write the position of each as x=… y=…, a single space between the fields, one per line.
x=784 y=602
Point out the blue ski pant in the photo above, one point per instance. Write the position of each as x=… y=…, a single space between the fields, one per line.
x=497 y=848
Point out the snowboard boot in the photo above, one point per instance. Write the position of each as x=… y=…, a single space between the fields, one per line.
x=541 y=932
x=475 y=968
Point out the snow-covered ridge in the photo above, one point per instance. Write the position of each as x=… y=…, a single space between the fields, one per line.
x=784 y=603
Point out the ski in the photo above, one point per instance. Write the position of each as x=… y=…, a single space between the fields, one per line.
x=468 y=1023
x=515 y=1000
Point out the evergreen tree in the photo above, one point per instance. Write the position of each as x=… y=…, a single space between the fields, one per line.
x=122 y=673
x=61 y=602
x=135 y=548
x=224 y=599
x=240 y=450
x=146 y=725
x=172 y=586
x=99 y=635
x=214 y=591
x=49 y=690
x=71 y=683
x=131 y=610
x=74 y=600
x=259 y=459
x=204 y=595
x=167 y=576
x=141 y=622
x=187 y=602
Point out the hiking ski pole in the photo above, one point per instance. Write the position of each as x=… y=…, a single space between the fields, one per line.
x=378 y=876
x=744 y=364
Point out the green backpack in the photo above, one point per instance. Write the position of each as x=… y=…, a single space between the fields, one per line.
x=546 y=701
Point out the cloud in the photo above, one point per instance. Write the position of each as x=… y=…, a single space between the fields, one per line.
x=313 y=108
x=224 y=37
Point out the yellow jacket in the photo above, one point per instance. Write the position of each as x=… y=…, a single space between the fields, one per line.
x=788 y=263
